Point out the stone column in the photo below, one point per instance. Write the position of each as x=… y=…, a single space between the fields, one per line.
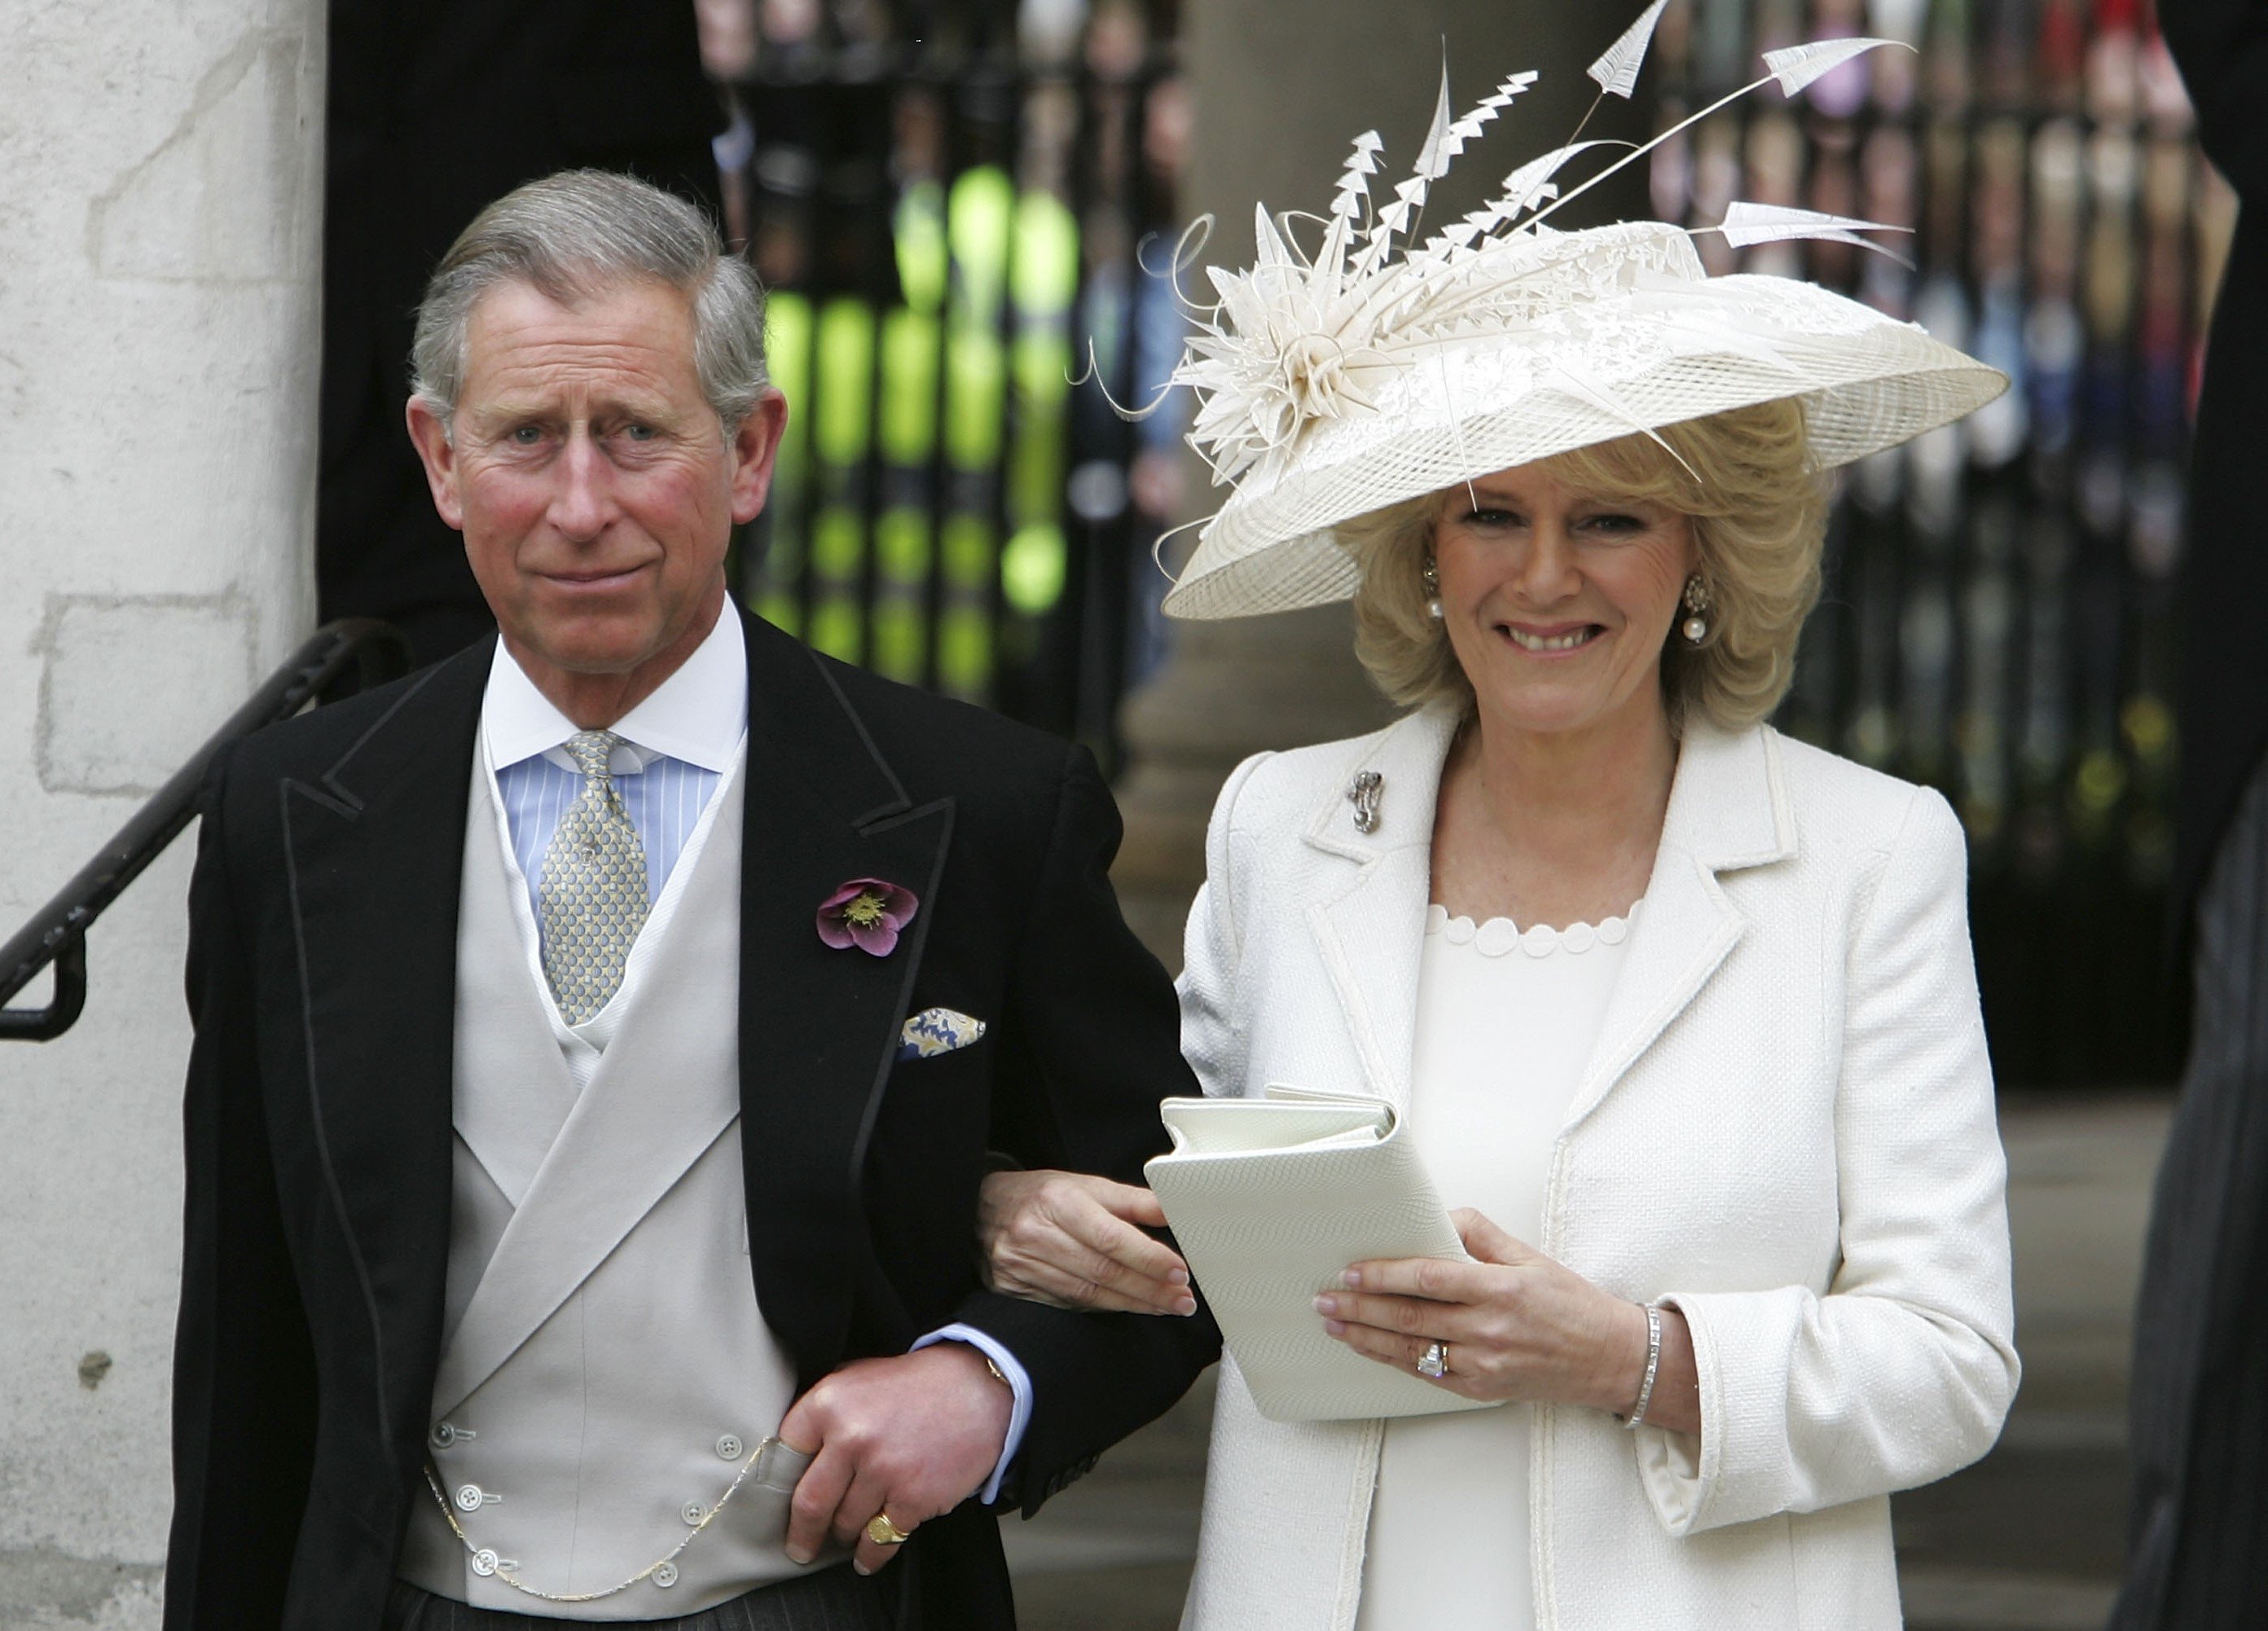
x=160 y=195
x=1281 y=91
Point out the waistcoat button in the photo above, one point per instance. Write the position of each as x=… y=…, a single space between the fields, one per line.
x=729 y=1448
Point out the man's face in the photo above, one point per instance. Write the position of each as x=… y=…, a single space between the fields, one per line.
x=592 y=481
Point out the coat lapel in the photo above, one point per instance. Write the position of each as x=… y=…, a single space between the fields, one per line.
x=373 y=851
x=818 y=1027
x=1728 y=809
x=1371 y=933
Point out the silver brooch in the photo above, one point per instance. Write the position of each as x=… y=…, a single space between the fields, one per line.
x=1364 y=796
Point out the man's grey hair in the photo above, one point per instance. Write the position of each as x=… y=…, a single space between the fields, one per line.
x=577 y=234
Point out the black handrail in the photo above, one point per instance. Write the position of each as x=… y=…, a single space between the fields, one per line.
x=56 y=933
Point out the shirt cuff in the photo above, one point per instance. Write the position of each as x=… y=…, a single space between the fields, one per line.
x=1020 y=1383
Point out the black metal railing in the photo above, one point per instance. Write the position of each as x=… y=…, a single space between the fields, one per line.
x=356 y=649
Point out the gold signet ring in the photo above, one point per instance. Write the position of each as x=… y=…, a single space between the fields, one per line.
x=883 y=1533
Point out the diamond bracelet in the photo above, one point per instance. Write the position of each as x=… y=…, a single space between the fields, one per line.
x=1653 y=1365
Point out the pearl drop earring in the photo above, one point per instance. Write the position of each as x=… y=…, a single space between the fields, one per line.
x=1696 y=628
x=1433 y=592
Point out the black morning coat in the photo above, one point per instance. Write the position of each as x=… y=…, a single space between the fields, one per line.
x=2222 y=701
x=2197 y=1508
x=322 y=980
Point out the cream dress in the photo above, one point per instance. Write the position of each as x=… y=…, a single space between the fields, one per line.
x=1507 y=1020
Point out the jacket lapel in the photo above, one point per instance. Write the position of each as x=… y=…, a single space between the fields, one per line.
x=373 y=851
x=1371 y=933
x=818 y=1027
x=1727 y=810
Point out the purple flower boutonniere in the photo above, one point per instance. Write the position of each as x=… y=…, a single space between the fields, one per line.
x=868 y=913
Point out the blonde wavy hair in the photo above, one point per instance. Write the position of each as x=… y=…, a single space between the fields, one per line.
x=1757 y=506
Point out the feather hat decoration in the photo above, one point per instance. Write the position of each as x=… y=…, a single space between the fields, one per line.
x=1383 y=367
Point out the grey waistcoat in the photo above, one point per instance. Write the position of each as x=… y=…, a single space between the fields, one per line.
x=607 y=1372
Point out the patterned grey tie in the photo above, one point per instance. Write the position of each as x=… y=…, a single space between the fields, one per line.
x=592 y=891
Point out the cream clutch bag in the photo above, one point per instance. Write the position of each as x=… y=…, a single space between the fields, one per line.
x=1269 y=1198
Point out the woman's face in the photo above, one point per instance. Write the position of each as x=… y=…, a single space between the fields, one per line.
x=1556 y=601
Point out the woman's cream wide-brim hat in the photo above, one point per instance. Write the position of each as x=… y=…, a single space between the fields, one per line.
x=1330 y=387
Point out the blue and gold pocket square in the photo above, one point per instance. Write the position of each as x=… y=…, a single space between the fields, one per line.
x=933 y=1031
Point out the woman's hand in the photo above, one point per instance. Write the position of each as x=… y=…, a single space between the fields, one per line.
x=1517 y=1326
x=1072 y=1240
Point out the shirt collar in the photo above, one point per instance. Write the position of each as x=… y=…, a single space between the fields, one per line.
x=698 y=714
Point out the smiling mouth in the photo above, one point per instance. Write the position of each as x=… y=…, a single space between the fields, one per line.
x=1565 y=640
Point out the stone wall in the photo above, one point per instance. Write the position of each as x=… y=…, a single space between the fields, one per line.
x=160 y=173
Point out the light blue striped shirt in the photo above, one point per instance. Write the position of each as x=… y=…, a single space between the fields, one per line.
x=665 y=797
x=676 y=747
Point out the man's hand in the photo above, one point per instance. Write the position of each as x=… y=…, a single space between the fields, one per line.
x=913 y=1436
x=1070 y=1240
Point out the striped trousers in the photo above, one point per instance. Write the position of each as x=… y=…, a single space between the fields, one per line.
x=2197 y=1529
x=834 y=1599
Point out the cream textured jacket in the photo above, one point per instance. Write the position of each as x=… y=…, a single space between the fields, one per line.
x=1785 y=1130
